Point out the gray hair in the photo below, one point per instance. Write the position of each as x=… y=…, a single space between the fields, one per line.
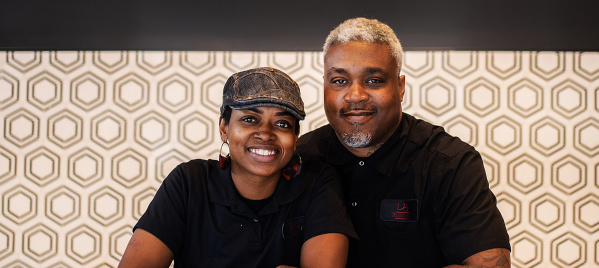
x=365 y=30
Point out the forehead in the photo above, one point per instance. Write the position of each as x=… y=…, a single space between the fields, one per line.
x=359 y=55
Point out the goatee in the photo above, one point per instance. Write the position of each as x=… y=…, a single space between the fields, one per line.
x=356 y=140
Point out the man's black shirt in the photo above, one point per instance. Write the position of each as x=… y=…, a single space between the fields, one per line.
x=421 y=200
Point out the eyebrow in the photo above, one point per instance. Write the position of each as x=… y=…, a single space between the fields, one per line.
x=367 y=70
x=255 y=110
x=372 y=70
x=337 y=70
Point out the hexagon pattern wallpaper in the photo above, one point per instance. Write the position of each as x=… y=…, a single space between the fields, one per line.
x=88 y=136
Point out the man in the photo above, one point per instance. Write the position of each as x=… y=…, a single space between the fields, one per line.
x=417 y=196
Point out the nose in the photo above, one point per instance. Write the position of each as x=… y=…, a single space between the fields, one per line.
x=356 y=93
x=265 y=133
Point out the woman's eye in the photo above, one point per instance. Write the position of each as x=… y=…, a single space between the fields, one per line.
x=283 y=124
x=248 y=119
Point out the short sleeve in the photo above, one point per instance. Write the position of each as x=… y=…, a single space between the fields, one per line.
x=326 y=211
x=468 y=218
x=165 y=215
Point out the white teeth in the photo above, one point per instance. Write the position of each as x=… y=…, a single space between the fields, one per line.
x=262 y=151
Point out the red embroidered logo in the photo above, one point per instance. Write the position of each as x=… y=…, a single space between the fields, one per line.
x=399 y=210
x=402 y=212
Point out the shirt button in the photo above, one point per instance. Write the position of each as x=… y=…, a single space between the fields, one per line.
x=354 y=204
x=361 y=163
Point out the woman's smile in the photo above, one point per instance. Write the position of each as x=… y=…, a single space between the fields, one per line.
x=262 y=152
x=261 y=141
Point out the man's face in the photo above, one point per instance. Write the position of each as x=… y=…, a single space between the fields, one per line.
x=363 y=94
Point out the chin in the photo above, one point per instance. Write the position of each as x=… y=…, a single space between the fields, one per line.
x=356 y=139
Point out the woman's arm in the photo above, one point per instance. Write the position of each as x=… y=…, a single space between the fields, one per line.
x=325 y=250
x=146 y=250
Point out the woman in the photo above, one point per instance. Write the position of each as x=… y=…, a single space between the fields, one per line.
x=258 y=207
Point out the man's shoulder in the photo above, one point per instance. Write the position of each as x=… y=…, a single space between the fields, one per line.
x=434 y=138
x=313 y=165
x=315 y=170
x=316 y=135
x=315 y=143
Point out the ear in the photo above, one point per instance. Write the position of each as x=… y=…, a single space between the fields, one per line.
x=402 y=86
x=223 y=129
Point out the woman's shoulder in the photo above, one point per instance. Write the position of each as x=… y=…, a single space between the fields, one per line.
x=206 y=164
x=195 y=169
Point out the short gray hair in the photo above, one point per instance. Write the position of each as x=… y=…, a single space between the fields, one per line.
x=365 y=30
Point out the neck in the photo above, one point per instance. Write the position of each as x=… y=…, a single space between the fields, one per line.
x=254 y=187
x=364 y=151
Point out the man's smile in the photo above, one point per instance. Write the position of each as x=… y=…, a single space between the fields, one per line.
x=357 y=115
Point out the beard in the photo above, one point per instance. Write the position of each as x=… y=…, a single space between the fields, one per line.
x=356 y=139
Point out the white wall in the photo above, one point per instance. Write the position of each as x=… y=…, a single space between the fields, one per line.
x=88 y=137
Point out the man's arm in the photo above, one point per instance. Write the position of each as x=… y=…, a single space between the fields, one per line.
x=495 y=257
x=326 y=250
x=146 y=250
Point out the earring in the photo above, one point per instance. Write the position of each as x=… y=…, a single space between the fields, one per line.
x=224 y=161
x=293 y=168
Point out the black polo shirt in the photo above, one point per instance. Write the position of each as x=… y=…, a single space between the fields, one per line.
x=199 y=215
x=421 y=200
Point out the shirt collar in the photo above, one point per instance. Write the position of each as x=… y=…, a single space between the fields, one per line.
x=222 y=191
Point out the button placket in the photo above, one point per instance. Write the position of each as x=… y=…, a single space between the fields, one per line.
x=256 y=237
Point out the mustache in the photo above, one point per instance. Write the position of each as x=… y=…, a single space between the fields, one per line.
x=358 y=107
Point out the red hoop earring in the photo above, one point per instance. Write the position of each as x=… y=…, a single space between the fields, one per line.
x=224 y=161
x=293 y=168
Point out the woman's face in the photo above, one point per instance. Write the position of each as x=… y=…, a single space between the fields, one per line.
x=261 y=141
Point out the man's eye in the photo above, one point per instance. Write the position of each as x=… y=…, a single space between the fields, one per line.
x=339 y=81
x=373 y=81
